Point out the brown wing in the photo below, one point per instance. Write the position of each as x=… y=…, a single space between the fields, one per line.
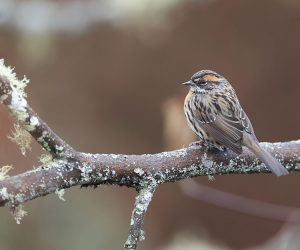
x=226 y=130
x=225 y=126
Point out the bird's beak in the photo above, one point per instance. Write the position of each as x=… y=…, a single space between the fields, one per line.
x=188 y=83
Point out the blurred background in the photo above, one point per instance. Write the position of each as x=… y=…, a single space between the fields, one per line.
x=105 y=76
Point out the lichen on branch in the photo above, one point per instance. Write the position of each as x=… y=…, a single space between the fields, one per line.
x=142 y=201
x=12 y=94
x=21 y=137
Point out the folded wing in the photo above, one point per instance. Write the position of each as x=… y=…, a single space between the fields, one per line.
x=226 y=130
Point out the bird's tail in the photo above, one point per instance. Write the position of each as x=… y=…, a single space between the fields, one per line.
x=274 y=165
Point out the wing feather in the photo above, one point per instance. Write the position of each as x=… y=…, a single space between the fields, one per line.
x=225 y=125
x=226 y=132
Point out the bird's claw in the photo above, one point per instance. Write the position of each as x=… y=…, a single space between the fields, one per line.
x=196 y=145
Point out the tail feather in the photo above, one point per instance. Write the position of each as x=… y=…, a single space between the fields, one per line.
x=275 y=166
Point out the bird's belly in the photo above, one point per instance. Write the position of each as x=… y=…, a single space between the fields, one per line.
x=192 y=109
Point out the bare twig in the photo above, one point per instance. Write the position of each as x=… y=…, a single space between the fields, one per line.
x=142 y=202
x=14 y=98
x=143 y=172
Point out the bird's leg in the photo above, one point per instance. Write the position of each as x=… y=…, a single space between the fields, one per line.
x=215 y=150
x=212 y=148
x=196 y=144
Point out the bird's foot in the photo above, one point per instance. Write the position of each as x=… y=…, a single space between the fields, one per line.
x=196 y=145
x=217 y=150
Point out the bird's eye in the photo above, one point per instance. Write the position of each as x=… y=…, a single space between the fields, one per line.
x=203 y=82
x=199 y=81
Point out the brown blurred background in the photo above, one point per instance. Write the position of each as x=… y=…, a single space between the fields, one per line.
x=105 y=76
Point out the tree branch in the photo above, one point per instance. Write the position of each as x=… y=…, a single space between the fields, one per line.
x=142 y=202
x=142 y=172
x=139 y=170
x=14 y=98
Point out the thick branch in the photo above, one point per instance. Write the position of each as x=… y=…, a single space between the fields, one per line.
x=139 y=170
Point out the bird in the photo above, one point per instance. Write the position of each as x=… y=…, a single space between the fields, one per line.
x=215 y=115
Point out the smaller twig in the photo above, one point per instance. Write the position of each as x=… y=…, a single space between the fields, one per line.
x=42 y=133
x=142 y=202
x=12 y=94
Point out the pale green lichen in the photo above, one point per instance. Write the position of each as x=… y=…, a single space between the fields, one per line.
x=139 y=171
x=43 y=141
x=59 y=148
x=114 y=156
x=179 y=153
x=142 y=235
x=18 y=213
x=17 y=104
x=19 y=198
x=60 y=193
x=18 y=96
x=33 y=123
x=3 y=172
x=86 y=171
x=45 y=158
x=4 y=193
x=211 y=178
x=16 y=84
x=22 y=138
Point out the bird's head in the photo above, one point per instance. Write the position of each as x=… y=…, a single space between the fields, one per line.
x=205 y=81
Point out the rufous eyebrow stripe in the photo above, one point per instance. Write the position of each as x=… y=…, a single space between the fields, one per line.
x=211 y=78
